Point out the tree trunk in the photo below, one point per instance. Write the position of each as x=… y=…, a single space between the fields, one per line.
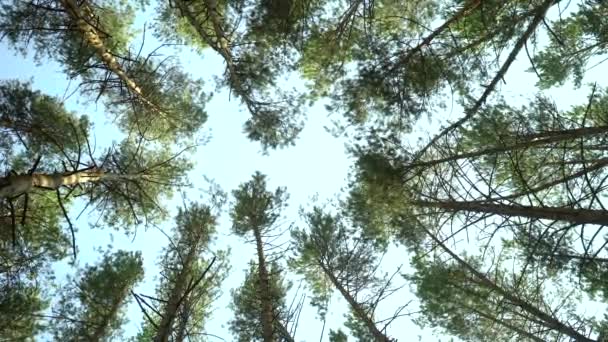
x=220 y=44
x=284 y=332
x=505 y=324
x=180 y=335
x=541 y=11
x=578 y=216
x=356 y=307
x=544 y=318
x=267 y=317
x=526 y=141
x=15 y=185
x=598 y=164
x=93 y=39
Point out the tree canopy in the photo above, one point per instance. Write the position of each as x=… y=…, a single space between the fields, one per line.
x=473 y=136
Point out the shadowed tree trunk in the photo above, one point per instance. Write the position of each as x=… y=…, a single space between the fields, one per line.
x=101 y=330
x=546 y=319
x=524 y=142
x=356 y=307
x=579 y=216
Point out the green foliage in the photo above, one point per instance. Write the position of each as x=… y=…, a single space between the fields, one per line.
x=180 y=102
x=47 y=28
x=137 y=177
x=174 y=25
x=255 y=207
x=531 y=146
x=378 y=199
x=574 y=42
x=32 y=119
x=138 y=180
x=39 y=239
x=173 y=105
x=284 y=20
x=255 y=54
x=311 y=247
x=357 y=328
x=275 y=126
x=195 y=227
x=329 y=248
x=91 y=308
x=386 y=71
x=337 y=336
x=381 y=65
x=184 y=262
x=247 y=305
x=503 y=302
x=21 y=304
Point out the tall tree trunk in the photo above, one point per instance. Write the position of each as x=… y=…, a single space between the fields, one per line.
x=15 y=185
x=82 y=16
x=180 y=335
x=284 y=332
x=526 y=141
x=547 y=320
x=266 y=297
x=176 y=297
x=356 y=307
x=578 y=216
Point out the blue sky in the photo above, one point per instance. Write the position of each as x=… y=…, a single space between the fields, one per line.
x=317 y=165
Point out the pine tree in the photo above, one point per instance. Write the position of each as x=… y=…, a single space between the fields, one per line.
x=255 y=56
x=154 y=100
x=190 y=280
x=125 y=182
x=469 y=303
x=329 y=255
x=91 y=308
x=256 y=211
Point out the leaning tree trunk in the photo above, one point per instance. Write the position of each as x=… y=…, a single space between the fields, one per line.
x=546 y=319
x=267 y=316
x=503 y=323
x=578 y=216
x=181 y=330
x=597 y=165
x=460 y=14
x=15 y=185
x=538 y=19
x=220 y=44
x=523 y=142
x=356 y=307
x=92 y=37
